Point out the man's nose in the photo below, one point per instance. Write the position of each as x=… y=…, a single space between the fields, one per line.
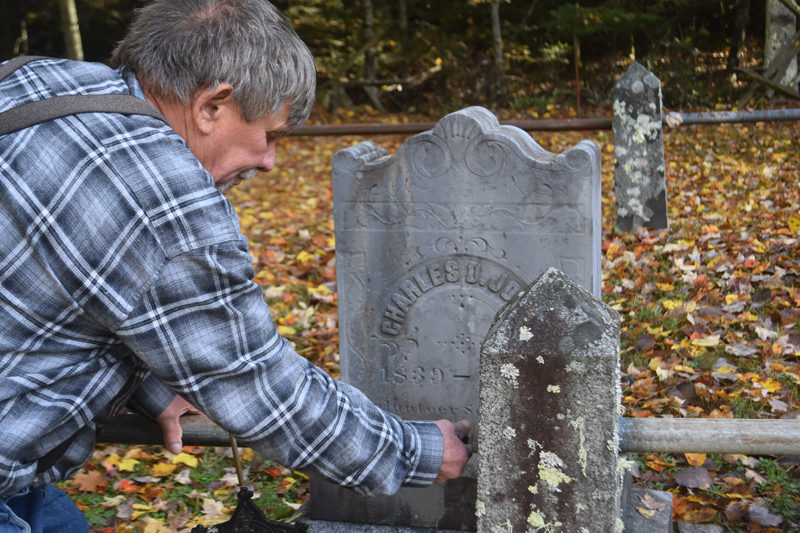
x=268 y=161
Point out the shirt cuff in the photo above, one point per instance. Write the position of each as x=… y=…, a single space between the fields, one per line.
x=151 y=397
x=431 y=454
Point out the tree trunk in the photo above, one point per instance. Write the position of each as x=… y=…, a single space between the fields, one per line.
x=370 y=70
x=740 y=17
x=69 y=27
x=499 y=86
x=780 y=29
x=404 y=45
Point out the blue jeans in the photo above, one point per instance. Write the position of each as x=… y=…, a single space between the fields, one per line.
x=46 y=510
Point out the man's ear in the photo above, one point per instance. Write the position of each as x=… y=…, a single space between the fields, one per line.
x=210 y=104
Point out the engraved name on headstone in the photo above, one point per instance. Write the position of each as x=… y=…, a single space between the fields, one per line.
x=430 y=243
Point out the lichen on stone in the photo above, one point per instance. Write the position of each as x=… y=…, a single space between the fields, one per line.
x=511 y=373
x=480 y=508
x=583 y=458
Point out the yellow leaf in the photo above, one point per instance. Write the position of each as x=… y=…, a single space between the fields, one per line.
x=140 y=509
x=658 y=332
x=711 y=340
x=695 y=459
x=304 y=257
x=154 y=525
x=320 y=290
x=772 y=385
x=730 y=298
x=285 y=330
x=747 y=316
x=794 y=222
x=162 y=469
x=647 y=513
x=671 y=304
x=665 y=287
x=127 y=465
x=111 y=460
x=185 y=458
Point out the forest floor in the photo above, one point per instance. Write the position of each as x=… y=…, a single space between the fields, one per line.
x=710 y=327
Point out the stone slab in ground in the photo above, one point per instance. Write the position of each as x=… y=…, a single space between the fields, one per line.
x=648 y=511
x=323 y=526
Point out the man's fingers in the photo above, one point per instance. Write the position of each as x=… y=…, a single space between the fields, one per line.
x=462 y=428
x=169 y=419
x=173 y=434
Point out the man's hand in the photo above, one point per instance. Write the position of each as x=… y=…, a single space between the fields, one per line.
x=456 y=453
x=170 y=422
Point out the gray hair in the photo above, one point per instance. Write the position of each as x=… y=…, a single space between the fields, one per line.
x=181 y=46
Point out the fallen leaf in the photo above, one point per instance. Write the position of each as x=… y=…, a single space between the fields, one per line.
x=127 y=465
x=647 y=513
x=185 y=458
x=651 y=503
x=695 y=459
x=127 y=486
x=741 y=350
x=182 y=477
x=706 y=342
x=155 y=525
x=212 y=509
x=694 y=478
x=757 y=513
x=752 y=475
x=162 y=469
x=91 y=481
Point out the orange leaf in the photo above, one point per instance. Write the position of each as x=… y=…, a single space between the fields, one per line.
x=127 y=486
x=695 y=459
x=92 y=481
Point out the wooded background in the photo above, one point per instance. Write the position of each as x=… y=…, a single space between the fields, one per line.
x=421 y=55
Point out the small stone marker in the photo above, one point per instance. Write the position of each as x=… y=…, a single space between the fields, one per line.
x=550 y=397
x=640 y=172
x=430 y=242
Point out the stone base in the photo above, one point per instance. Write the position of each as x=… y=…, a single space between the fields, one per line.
x=648 y=511
x=322 y=526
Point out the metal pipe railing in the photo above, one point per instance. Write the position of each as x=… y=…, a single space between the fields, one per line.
x=567 y=124
x=664 y=435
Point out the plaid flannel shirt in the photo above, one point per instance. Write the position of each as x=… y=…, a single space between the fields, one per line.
x=119 y=258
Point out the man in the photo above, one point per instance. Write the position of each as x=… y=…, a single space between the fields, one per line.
x=124 y=278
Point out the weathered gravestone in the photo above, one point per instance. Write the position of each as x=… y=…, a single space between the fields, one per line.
x=640 y=172
x=550 y=398
x=430 y=243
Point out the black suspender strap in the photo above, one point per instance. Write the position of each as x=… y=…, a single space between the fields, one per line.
x=26 y=115
x=14 y=64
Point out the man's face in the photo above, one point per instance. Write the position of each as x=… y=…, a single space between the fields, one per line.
x=236 y=149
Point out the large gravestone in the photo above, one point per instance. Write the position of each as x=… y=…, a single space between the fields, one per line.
x=430 y=243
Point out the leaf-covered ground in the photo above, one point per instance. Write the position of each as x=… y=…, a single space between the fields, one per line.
x=711 y=328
